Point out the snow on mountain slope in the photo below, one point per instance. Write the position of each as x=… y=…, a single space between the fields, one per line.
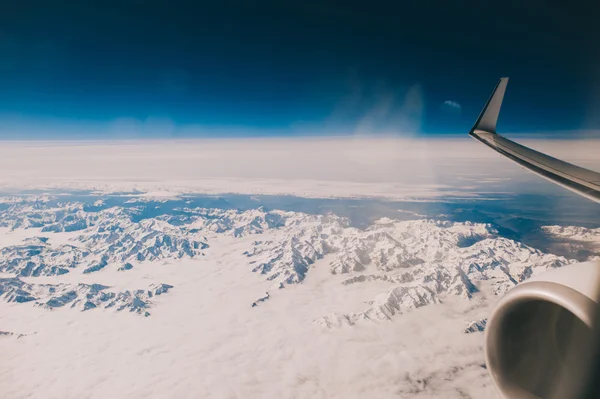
x=583 y=242
x=574 y=233
x=287 y=256
x=240 y=298
x=111 y=237
x=476 y=326
x=80 y=296
x=421 y=260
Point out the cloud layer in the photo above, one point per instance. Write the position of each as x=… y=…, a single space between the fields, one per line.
x=320 y=167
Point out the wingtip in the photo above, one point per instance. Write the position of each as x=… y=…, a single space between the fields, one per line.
x=489 y=114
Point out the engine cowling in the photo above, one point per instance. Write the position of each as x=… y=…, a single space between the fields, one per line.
x=540 y=339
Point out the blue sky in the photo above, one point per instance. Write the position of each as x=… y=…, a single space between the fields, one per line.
x=75 y=69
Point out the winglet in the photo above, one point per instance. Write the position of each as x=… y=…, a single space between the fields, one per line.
x=489 y=115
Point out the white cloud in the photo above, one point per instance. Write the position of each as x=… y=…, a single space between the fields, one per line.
x=318 y=167
x=452 y=104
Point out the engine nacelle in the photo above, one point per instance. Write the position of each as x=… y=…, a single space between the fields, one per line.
x=539 y=341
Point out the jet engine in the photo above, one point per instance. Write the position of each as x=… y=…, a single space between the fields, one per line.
x=540 y=340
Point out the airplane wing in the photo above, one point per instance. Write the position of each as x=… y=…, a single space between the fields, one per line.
x=584 y=182
x=521 y=336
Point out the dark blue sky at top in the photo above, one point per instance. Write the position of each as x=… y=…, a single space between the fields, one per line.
x=80 y=68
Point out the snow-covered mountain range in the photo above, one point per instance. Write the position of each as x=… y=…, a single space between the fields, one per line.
x=421 y=261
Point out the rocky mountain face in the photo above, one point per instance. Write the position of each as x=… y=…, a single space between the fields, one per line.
x=80 y=296
x=574 y=233
x=475 y=326
x=422 y=260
